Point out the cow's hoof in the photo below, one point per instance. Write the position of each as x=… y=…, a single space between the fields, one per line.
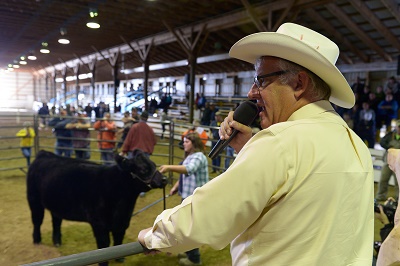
x=120 y=260
x=57 y=245
x=37 y=243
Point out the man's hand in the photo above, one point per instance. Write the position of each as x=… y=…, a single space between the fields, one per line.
x=226 y=130
x=141 y=241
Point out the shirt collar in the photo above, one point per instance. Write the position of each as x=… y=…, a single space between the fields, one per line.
x=312 y=109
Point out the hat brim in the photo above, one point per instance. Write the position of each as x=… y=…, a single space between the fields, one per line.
x=275 y=44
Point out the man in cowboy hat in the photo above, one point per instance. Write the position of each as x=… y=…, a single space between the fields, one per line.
x=300 y=191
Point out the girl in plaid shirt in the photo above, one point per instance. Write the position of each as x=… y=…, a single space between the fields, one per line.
x=194 y=173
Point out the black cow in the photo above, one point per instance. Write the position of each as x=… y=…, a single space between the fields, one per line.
x=78 y=190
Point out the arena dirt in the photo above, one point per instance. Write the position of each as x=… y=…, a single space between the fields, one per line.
x=16 y=245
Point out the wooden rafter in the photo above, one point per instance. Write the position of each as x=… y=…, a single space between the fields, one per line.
x=280 y=20
x=342 y=39
x=375 y=22
x=359 y=33
x=250 y=11
x=393 y=9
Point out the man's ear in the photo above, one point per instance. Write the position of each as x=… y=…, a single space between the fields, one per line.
x=302 y=83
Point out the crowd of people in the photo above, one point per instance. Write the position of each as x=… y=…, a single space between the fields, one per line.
x=72 y=126
x=374 y=109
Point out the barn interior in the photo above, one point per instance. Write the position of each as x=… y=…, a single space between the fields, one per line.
x=171 y=43
x=149 y=40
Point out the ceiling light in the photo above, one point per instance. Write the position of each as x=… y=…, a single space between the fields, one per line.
x=93 y=22
x=15 y=64
x=32 y=56
x=22 y=60
x=63 y=38
x=45 y=48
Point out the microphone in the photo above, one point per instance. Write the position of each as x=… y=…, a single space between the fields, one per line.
x=245 y=114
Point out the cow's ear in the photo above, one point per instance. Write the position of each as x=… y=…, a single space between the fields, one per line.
x=136 y=152
x=118 y=158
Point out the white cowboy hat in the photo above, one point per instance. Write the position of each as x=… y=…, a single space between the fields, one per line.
x=304 y=47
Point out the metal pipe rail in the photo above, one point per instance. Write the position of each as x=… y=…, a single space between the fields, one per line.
x=22 y=168
x=7 y=148
x=151 y=205
x=12 y=158
x=94 y=256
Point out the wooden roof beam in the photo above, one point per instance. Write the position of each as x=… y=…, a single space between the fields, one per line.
x=359 y=33
x=250 y=11
x=375 y=22
x=215 y=24
x=391 y=6
x=329 y=28
x=142 y=53
x=289 y=7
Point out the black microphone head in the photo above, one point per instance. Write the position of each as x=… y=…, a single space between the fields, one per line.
x=245 y=113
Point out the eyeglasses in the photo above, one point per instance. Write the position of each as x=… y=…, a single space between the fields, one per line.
x=259 y=80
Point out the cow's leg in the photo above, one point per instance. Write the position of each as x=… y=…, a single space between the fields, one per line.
x=121 y=220
x=118 y=237
x=37 y=220
x=56 y=230
x=102 y=236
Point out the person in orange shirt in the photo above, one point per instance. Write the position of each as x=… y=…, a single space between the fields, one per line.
x=196 y=128
x=106 y=135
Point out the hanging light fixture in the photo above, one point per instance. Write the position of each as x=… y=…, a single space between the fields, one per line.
x=32 y=56
x=10 y=67
x=45 y=48
x=22 y=60
x=15 y=64
x=63 y=38
x=93 y=22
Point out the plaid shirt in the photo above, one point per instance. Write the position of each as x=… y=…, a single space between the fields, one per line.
x=197 y=168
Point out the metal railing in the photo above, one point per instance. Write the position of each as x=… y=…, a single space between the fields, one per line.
x=94 y=256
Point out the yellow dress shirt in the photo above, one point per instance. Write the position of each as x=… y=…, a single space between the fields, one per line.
x=298 y=193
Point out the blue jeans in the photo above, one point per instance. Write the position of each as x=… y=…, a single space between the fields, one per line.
x=26 y=151
x=229 y=153
x=216 y=162
x=81 y=154
x=107 y=156
x=60 y=149
x=193 y=255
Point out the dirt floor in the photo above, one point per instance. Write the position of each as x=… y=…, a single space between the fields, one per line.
x=15 y=234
